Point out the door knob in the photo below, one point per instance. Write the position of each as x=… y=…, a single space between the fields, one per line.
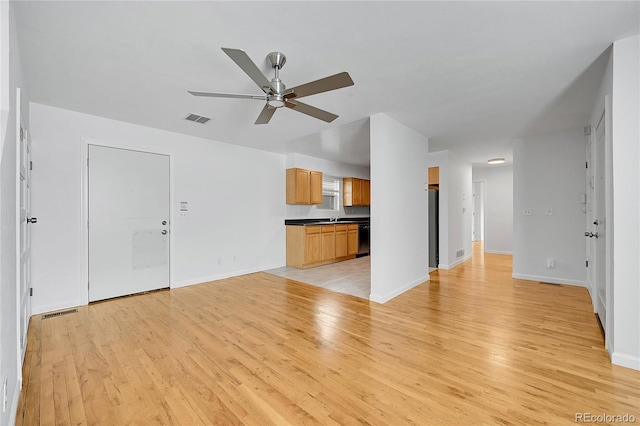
x=164 y=232
x=164 y=222
x=596 y=222
x=591 y=234
x=32 y=220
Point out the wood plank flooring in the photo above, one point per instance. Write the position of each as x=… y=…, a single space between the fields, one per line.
x=473 y=346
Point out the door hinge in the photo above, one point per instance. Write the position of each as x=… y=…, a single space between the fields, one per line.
x=586 y=263
x=30 y=165
x=30 y=291
x=586 y=165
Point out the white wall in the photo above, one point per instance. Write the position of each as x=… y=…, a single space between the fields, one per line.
x=498 y=218
x=9 y=340
x=626 y=202
x=236 y=199
x=548 y=173
x=330 y=168
x=399 y=221
x=455 y=207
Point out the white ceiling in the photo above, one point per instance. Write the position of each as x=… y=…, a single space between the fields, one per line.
x=469 y=75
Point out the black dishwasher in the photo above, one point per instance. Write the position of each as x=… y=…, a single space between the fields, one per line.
x=363 y=239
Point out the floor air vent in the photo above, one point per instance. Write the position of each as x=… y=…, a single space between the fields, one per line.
x=197 y=118
x=58 y=314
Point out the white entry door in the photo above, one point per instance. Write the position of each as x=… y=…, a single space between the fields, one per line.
x=599 y=224
x=24 y=251
x=129 y=211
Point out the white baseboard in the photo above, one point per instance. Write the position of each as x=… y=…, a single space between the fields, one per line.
x=552 y=280
x=456 y=263
x=385 y=298
x=626 y=360
x=510 y=253
x=14 y=404
x=200 y=280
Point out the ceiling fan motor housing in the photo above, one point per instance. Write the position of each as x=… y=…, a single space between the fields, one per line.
x=277 y=59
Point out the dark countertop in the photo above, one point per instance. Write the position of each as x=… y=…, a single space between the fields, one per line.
x=320 y=221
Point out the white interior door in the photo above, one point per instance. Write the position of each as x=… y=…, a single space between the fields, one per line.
x=599 y=223
x=24 y=251
x=129 y=210
x=590 y=218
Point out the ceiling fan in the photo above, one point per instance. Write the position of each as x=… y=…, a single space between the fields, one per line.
x=276 y=94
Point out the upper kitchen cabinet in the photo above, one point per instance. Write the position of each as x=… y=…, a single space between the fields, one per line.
x=434 y=177
x=356 y=192
x=304 y=186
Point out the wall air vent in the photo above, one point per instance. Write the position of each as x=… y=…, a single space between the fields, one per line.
x=460 y=253
x=197 y=118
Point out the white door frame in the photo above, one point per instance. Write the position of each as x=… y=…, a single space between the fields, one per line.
x=84 y=215
x=605 y=108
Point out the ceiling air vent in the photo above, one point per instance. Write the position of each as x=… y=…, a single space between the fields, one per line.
x=197 y=118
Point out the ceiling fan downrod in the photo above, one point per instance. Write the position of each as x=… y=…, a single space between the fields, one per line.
x=277 y=60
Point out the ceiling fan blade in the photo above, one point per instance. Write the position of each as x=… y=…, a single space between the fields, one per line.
x=310 y=111
x=227 y=95
x=326 y=84
x=265 y=114
x=249 y=67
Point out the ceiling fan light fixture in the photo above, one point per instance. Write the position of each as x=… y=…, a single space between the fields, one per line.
x=496 y=161
x=276 y=101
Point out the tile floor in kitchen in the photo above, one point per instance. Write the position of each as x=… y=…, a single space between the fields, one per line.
x=350 y=276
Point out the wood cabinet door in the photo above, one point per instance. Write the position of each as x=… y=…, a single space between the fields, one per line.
x=303 y=193
x=434 y=176
x=366 y=192
x=352 y=240
x=347 y=192
x=315 y=185
x=298 y=186
x=357 y=192
x=341 y=241
x=328 y=242
x=313 y=248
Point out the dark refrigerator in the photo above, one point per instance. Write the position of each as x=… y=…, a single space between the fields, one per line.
x=433 y=228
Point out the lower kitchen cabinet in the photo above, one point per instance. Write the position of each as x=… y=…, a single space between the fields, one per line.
x=352 y=239
x=315 y=245
x=341 y=241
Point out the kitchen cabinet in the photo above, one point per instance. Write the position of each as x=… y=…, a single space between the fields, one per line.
x=328 y=233
x=352 y=239
x=315 y=245
x=342 y=241
x=433 y=177
x=303 y=186
x=356 y=192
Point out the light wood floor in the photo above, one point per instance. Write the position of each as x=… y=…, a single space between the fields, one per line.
x=473 y=346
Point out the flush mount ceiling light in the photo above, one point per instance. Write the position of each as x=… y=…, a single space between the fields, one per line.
x=496 y=161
